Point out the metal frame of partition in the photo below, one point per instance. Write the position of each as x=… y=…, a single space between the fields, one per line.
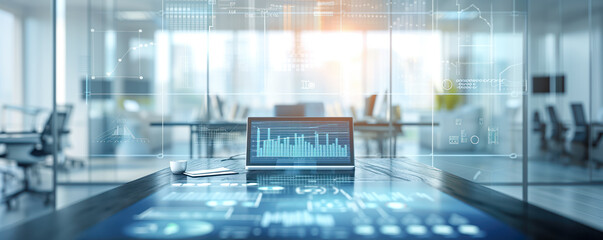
x=55 y=137
x=590 y=87
x=525 y=92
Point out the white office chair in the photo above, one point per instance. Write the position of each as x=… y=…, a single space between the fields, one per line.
x=29 y=150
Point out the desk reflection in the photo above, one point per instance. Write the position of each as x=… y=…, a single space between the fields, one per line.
x=299 y=205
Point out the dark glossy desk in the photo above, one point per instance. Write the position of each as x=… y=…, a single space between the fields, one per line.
x=534 y=222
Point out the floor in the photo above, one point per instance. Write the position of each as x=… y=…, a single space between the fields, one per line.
x=580 y=203
x=561 y=188
x=103 y=173
x=29 y=206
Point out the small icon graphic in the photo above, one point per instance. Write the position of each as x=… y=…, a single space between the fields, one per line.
x=492 y=135
x=464 y=136
x=120 y=133
x=307 y=85
x=447 y=84
x=453 y=140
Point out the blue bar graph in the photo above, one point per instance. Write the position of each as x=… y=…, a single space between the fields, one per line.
x=298 y=146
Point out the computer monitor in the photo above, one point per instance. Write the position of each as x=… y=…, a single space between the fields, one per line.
x=300 y=143
x=542 y=84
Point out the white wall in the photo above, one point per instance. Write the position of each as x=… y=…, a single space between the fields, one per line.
x=28 y=69
x=37 y=52
x=11 y=90
x=575 y=59
x=76 y=65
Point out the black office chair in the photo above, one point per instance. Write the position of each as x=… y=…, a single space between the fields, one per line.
x=295 y=110
x=558 y=131
x=540 y=128
x=596 y=145
x=598 y=139
x=28 y=155
x=313 y=109
x=579 y=143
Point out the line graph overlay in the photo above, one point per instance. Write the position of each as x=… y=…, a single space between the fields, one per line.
x=111 y=70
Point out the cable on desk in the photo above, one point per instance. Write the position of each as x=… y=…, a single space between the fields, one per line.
x=233 y=157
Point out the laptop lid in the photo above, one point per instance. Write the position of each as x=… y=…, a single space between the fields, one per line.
x=300 y=142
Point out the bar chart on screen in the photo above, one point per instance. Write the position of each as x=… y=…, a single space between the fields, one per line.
x=300 y=140
x=300 y=145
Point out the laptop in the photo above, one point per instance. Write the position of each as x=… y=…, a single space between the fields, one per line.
x=320 y=143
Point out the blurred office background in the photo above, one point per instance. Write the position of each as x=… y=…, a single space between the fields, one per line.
x=503 y=93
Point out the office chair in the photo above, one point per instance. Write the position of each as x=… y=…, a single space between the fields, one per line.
x=598 y=139
x=31 y=112
x=313 y=109
x=558 y=131
x=374 y=112
x=369 y=106
x=218 y=106
x=6 y=176
x=244 y=112
x=597 y=132
x=579 y=143
x=295 y=110
x=597 y=160
x=29 y=154
x=540 y=128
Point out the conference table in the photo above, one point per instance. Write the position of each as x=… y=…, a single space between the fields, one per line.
x=382 y=131
x=20 y=138
x=209 y=130
x=381 y=198
x=205 y=130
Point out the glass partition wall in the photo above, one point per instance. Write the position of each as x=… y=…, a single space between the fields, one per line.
x=460 y=65
x=565 y=107
x=445 y=79
x=452 y=84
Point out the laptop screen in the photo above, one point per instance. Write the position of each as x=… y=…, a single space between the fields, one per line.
x=300 y=142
